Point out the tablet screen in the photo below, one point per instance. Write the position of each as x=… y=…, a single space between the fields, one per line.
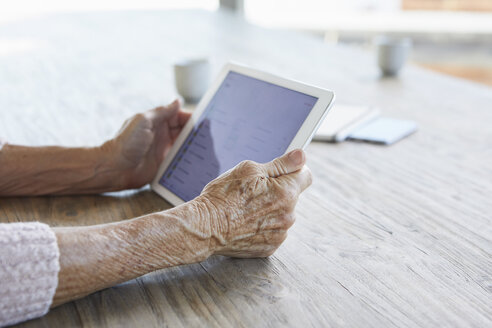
x=247 y=118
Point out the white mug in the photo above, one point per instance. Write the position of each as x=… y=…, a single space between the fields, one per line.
x=392 y=53
x=192 y=77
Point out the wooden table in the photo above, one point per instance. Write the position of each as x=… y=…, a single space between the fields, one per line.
x=386 y=236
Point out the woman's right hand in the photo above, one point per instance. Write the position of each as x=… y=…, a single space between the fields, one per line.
x=251 y=207
x=245 y=212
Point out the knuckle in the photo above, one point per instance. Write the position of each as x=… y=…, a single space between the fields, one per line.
x=283 y=237
x=248 y=164
x=278 y=239
x=309 y=176
x=269 y=251
x=247 y=167
x=287 y=194
x=139 y=116
x=288 y=220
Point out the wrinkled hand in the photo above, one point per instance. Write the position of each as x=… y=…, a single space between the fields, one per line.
x=251 y=207
x=143 y=141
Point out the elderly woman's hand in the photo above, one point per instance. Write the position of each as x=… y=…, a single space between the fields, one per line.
x=251 y=207
x=142 y=143
x=129 y=160
x=245 y=212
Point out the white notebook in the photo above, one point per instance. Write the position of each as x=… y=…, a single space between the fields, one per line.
x=342 y=120
x=384 y=130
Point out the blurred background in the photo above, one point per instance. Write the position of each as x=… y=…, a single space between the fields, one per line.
x=450 y=36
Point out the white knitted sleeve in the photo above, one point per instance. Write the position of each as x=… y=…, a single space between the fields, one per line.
x=28 y=271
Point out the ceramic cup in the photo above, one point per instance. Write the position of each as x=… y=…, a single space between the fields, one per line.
x=192 y=77
x=392 y=53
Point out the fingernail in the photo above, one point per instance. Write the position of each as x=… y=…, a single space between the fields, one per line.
x=296 y=156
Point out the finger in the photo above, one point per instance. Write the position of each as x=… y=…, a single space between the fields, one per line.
x=177 y=123
x=285 y=164
x=300 y=179
x=183 y=118
x=262 y=244
x=277 y=220
x=164 y=112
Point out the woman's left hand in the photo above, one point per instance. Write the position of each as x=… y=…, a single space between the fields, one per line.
x=142 y=143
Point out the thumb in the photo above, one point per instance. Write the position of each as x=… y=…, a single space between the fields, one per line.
x=288 y=163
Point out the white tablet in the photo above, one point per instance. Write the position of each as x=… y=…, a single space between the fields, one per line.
x=245 y=115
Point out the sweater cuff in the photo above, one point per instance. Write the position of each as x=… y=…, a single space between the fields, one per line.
x=29 y=266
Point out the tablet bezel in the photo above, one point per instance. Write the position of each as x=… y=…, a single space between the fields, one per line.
x=300 y=140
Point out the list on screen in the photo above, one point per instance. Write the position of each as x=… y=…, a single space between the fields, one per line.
x=247 y=119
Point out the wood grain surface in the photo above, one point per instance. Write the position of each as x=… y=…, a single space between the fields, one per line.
x=397 y=236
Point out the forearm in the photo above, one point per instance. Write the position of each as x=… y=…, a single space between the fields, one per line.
x=97 y=257
x=55 y=170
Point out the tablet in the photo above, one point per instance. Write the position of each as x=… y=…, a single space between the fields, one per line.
x=245 y=115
